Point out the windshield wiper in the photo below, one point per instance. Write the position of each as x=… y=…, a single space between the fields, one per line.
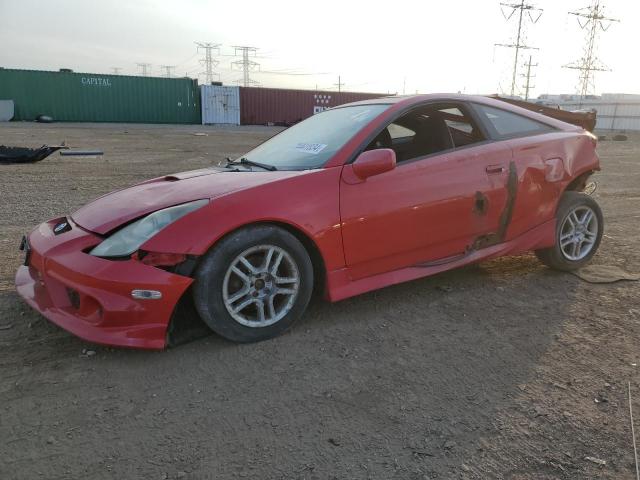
x=246 y=161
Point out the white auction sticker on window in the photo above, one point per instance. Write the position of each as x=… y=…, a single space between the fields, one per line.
x=313 y=148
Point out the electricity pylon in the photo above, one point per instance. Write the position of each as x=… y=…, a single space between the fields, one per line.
x=167 y=70
x=246 y=65
x=528 y=76
x=144 y=68
x=208 y=61
x=592 y=20
x=533 y=14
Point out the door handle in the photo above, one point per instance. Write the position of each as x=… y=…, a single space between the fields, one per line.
x=494 y=169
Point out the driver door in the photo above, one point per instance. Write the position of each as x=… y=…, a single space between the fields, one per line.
x=447 y=190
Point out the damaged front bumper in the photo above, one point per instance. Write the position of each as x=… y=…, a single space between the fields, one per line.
x=92 y=297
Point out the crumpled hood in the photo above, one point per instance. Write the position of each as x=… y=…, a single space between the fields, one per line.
x=117 y=208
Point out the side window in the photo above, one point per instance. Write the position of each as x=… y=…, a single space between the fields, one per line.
x=399 y=133
x=427 y=130
x=397 y=137
x=463 y=131
x=508 y=124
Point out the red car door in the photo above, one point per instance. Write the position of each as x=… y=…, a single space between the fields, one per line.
x=425 y=210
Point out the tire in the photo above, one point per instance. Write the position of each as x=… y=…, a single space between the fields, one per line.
x=569 y=252
x=276 y=298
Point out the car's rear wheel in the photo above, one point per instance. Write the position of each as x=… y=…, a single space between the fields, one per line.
x=579 y=227
x=254 y=284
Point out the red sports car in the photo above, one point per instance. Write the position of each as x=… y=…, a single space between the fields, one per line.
x=353 y=199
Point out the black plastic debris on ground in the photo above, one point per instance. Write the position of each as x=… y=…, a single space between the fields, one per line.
x=81 y=153
x=27 y=155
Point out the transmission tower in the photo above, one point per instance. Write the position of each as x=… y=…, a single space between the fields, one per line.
x=116 y=70
x=533 y=14
x=144 y=68
x=167 y=70
x=208 y=61
x=246 y=65
x=528 y=76
x=592 y=20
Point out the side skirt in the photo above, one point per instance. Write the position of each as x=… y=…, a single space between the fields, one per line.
x=341 y=287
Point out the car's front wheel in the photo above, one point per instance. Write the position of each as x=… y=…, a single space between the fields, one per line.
x=254 y=284
x=579 y=227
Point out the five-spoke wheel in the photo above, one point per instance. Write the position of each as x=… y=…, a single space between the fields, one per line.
x=578 y=232
x=261 y=285
x=254 y=284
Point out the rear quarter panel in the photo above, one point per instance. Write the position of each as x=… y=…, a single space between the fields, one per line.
x=538 y=194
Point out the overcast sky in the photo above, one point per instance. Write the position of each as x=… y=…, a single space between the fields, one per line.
x=426 y=46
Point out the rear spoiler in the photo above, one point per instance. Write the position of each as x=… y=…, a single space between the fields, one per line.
x=586 y=120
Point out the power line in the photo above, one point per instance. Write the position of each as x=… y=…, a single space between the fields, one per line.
x=527 y=86
x=208 y=61
x=167 y=70
x=592 y=20
x=293 y=74
x=188 y=59
x=144 y=68
x=534 y=14
x=339 y=84
x=246 y=64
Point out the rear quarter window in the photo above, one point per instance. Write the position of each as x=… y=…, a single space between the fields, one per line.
x=509 y=124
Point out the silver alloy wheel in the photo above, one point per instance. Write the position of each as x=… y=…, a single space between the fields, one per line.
x=578 y=233
x=261 y=286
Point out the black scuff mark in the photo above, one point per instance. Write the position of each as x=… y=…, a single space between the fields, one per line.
x=441 y=261
x=494 y=238
x=512 y=191
x=480 y=204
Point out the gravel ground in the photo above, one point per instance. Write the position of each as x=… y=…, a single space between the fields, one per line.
x=504 y=369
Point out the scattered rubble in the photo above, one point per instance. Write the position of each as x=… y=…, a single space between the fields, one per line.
x=597 y=461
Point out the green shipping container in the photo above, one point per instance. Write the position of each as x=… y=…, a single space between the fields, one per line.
x=91 y=97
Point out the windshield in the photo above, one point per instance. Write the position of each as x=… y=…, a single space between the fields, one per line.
x=309 y=144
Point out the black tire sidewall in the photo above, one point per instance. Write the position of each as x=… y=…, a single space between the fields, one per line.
x=209 y=278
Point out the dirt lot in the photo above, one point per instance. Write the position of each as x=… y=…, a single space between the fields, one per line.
x=501 y=370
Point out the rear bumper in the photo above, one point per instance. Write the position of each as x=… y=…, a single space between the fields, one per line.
x=91 y=297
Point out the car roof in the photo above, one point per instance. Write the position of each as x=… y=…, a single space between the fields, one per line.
x=414 y=99
x=407 y=101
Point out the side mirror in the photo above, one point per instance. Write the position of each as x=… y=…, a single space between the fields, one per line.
x=374 y=162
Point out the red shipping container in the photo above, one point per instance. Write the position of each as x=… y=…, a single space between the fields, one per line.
x=280 y=106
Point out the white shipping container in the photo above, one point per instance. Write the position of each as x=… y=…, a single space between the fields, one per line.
x=220 y=104
x=7 y=110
